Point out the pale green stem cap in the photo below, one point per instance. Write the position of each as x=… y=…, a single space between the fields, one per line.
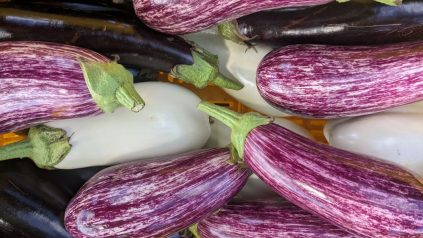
x=241 y=124
x=46 y=146
x=203 y=71
x=230 y=31
x=194 y=230
x=387 y=2
x=111 y=86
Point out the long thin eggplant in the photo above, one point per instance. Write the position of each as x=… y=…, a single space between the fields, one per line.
x=186 y=16
x=154 y=199
x=42 y=82
x=113 y=32
x=325 y=81
x=361 y=194
x=33 y=201
x=351 y=23
x=266 y=219
x=169 y=124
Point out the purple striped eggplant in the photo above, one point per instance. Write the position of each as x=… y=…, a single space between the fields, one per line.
x=266 y=219
x=361 y=194
x=41 y=82
x=156 y=198
x=323 y=81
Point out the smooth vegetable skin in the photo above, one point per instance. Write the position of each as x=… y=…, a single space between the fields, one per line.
x=33 y=201
x=395 y=137
x=112 y=31
x=361 y=194
x=323 y=81
x=42 y=82
x=266 y=219
x=351 y=23
x=154 y=199
x=170 y=124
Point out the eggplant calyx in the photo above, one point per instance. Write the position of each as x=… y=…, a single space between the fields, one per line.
x=229 y=30
x=205 y=70
x=46 y=146
x=194 y=230
x=387 y=2
x=240 y=124
x=111 y=86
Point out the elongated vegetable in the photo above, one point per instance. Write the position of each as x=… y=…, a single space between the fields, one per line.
x=266 y=219
x=42 y=82
x=113 y=32
x=339 y=81
x=358 y=193
x=240 y=64
x=187 y=16
x=154 y=199
x=396 y=137
x=169 y=124
x=33 y=201
x=351 y=23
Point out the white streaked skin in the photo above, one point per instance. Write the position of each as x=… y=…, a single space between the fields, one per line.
x=395 y=136
x=169 y=124
x=255 y=188
x=240 y=63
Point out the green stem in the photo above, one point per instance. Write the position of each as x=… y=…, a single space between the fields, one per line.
x=203 y=71
x=194 y=230
x=21 y=149
x=241 y=124
x=387 y=2
x=111 y=85
x=230 y=31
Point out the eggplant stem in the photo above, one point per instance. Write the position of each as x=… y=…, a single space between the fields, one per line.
x=129 y=98
x=203 y=71
x=46 y=146
x=229 y=30
x=194 y=230
x=240 y=124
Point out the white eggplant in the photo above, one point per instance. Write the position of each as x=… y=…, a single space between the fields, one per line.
x=240 y=63
x=392 y=136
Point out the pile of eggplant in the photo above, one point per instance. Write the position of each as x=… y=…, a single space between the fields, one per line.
x=112 y=152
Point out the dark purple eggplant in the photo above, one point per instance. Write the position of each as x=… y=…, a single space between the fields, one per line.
x=266 y=219
x=113 y=32
x=351 y=23
x=33 y=200
x=156 y=198
x=361 y=194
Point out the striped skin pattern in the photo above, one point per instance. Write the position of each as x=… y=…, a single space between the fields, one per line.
x=358 y=193
x=40 y=82
x=154 y=199
x=340 y=81
x=267 y=219
x=186 y=16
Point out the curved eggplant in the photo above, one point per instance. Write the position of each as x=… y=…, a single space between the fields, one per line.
x=361 y=194
x=33 y=200
x=170 y=124
x=395 y=137
x=351 y=23
x=240 y=64
x=154 y=199
x=113 y=32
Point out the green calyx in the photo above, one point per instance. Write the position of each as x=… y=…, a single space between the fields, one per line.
x=111 y=86
x=230 y=31
x=194 y=230
x=241 y=124
x=387 y=2
x=203 y=71
x=46 y=146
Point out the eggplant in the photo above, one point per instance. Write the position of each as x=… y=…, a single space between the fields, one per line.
x=187 y=16
x=33 y=201
x=154 y=199
x=42 y=82
x=169 y=124
x=266 y=219
x=351 y=23
x=113 y=32
x=323 y=81
x=361 y=194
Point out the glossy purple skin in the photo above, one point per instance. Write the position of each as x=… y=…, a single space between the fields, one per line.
x=186 y=16
x=40 y=82
x=324 y=81
x=267 y=219
x=359 y=193
x=155 y=199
